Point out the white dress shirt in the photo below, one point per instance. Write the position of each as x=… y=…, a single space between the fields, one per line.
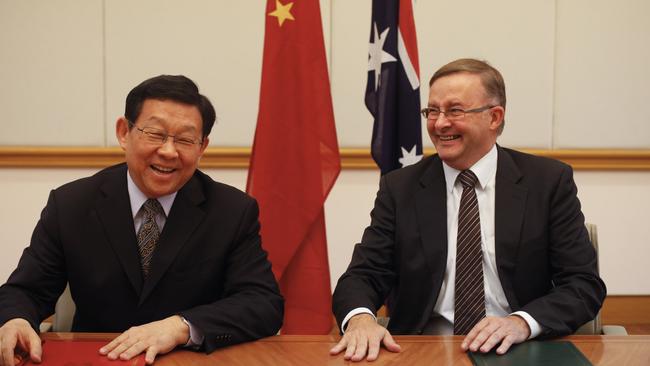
x=496 y=303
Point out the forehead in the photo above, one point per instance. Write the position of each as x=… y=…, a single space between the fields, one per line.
x=460 y=87
x=170 y=113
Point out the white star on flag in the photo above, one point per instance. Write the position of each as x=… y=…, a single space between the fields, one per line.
x=409 y=157
x=377 y=54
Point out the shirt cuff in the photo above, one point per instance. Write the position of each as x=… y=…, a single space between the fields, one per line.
x=352 y=313
x=196 y=337
x=535 y=327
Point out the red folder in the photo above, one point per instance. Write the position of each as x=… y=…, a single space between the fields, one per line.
x=81 y=353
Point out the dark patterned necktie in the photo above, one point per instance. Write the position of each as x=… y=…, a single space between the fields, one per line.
x=149 y=233
x=470 y=297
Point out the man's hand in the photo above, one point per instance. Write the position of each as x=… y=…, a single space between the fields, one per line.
x=364 y=336
x=153 y=338
x=17 y=341
x=494 y=330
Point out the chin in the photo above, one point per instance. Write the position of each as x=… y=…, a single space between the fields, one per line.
x=159 y=192
x=447 y=153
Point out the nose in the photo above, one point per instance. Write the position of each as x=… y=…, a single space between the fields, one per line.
x=168 y=149
x=440 y=122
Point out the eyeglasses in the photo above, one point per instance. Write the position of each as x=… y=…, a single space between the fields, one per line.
x=452 y=113
x=155 y=136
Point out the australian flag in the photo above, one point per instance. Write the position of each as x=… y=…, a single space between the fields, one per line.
x=393 y=88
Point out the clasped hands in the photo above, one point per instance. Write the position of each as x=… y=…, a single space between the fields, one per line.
x=363 y=337
x=18 y=340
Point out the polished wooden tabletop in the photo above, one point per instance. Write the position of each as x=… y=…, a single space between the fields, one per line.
x=416 y=350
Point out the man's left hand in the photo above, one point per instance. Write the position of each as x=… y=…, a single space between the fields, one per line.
x=153 y=338
x=494 y=330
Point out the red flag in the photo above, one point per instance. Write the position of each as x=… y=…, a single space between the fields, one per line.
x=295 y=161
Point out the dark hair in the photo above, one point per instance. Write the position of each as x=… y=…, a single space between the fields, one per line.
x=491 y=79
x=170 y=87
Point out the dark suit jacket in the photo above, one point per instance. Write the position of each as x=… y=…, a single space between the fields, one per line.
x=546 y=265
x=208 y=266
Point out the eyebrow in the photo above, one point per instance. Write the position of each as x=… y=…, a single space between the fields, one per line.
x=455 y=103
x=184 y=128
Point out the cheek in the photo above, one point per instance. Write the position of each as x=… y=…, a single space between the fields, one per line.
x=431 y=126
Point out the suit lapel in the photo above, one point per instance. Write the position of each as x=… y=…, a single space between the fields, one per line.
x=510 y=204
x=431 y=211
x=114 y=212
x=184 y=216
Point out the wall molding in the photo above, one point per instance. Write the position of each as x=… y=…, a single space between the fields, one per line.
x=351 y=158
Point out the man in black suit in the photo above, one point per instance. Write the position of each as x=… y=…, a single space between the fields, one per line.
x=539 y=269
x=205 y=282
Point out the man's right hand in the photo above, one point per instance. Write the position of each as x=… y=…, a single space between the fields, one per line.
x=363 y=336
x=17 y=338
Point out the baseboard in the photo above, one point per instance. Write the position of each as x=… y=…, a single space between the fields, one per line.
x=625 y=310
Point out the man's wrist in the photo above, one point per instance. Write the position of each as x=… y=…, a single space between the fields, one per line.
x=185 y=332
x=356 y=311
x=361 y=318
x=534 y=327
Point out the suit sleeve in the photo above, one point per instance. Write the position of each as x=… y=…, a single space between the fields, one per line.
x=251 y=306
x=577 y=292
x=371 y=273
x=35 y=285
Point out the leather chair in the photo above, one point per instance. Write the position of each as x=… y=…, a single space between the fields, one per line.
x=595 y=326
x=63 y=314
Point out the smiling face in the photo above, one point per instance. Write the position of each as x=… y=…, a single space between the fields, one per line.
x=162 y=169
x=462 y=142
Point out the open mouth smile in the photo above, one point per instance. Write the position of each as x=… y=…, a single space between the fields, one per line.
x=448 y=138
x=161 y=169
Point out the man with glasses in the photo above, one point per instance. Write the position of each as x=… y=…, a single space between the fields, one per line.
x=477 y=240
x=152 y=248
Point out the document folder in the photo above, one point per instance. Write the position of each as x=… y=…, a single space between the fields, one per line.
x=79 y=352
x=533 y=353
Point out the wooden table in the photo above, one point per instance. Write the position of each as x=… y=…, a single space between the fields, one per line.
x=416 y=350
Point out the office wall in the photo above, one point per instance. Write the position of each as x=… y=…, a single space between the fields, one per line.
x=576 y=74
x=573 y=68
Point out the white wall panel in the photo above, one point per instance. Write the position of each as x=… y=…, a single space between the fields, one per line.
x=603 y=74
x=218 y=44
x=51 y=64
x=516 y=37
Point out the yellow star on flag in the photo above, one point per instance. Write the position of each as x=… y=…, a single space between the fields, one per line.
x=282 y=12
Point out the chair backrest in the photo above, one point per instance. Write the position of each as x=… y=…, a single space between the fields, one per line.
x=64 y=312
x=594 y=326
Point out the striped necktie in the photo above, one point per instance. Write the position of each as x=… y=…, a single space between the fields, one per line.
x=469 y=296
x=148 y=234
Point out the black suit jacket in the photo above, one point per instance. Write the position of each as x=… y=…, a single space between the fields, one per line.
x=545 y=262
x=208 y=266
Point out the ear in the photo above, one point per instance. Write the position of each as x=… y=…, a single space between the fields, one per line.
x=122 y=132
x=496 y=117
x=206 y=141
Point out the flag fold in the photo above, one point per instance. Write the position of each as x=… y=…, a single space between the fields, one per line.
x=295 y=161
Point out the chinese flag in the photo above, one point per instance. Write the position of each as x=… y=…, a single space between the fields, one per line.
x=295 y=161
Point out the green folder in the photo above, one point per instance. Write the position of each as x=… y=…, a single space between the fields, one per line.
x=533 y=353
